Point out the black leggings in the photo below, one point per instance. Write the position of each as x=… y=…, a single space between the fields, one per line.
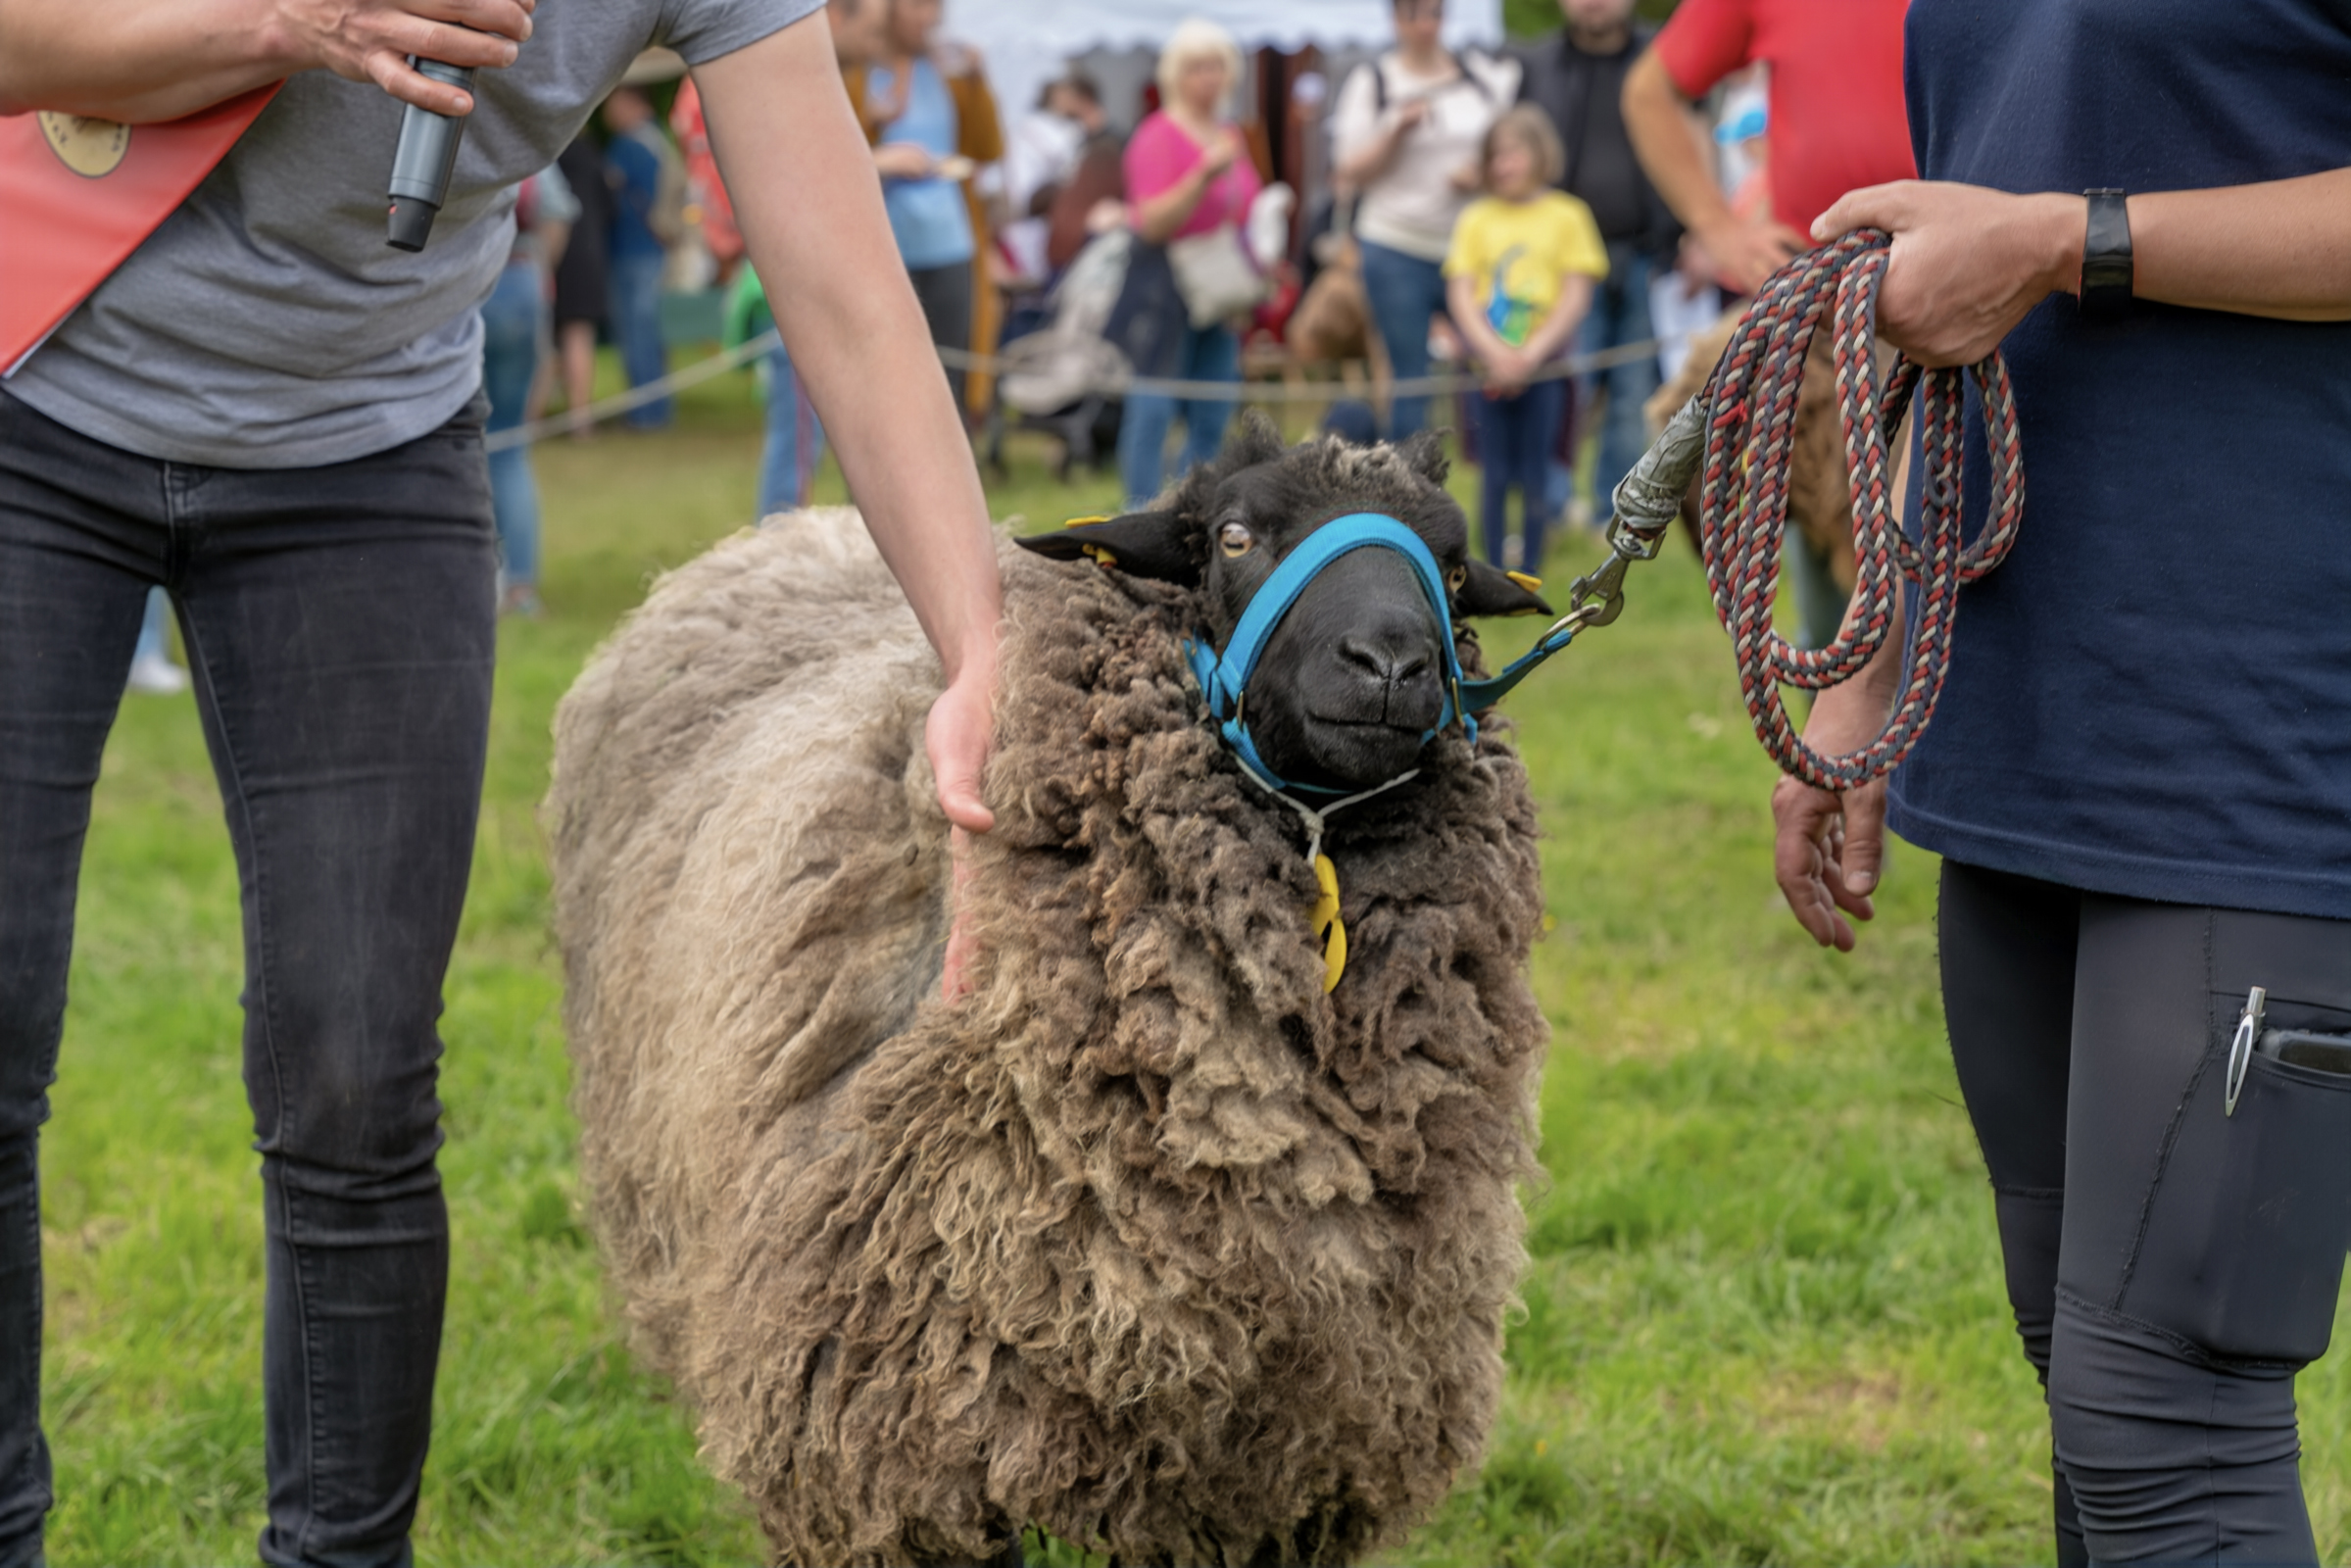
x=2172 y=1268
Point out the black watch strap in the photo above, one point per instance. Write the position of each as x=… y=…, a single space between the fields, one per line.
x=2106 y=255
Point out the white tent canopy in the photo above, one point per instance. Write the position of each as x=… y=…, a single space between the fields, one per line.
x=1026 y=41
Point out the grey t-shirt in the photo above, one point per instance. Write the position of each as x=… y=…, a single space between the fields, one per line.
x=265 y=324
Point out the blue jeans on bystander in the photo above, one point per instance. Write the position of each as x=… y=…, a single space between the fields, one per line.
x=1514 y=449
x=1405 y=293
x=513 y=324
x=1208 y=354
x=795 y=440
x=1620 y=315
x=637 y=332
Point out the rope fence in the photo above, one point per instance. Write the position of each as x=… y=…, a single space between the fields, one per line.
x=956 y=359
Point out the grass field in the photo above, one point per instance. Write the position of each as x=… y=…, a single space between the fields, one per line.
x=1764 y=1322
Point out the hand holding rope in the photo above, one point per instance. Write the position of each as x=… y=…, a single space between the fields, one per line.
x=1740 y=433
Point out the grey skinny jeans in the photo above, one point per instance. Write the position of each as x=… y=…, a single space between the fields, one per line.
x=340 y=628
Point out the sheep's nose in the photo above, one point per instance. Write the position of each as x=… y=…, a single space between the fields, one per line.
x=1392 y=654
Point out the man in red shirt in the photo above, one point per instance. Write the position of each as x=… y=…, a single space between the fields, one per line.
x=1837 y=120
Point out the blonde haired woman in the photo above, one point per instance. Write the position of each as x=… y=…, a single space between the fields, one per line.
x=1187 y=173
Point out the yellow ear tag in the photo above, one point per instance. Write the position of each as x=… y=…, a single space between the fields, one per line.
x=1080 y=522
x=1099 y=556
x=1533 y=585
x=1326 y=925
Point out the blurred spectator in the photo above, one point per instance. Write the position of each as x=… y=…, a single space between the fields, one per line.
x=1741 y=115
x=1682 y=303
x=1187 y=176
x=152 y=672
x=1837 y=120
x=1405 y=134
x=1520 y=279
x=1578 y=78
x=584 y=288
x=708 y=208
x=1093 y=199
x=794 y=443
x=795 y=440
x=1740 y=145
x=649 y=200
x=1041 y=156
x=934 y=122
x=515 y=323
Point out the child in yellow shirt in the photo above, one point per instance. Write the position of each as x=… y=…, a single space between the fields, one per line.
x=1519 y=281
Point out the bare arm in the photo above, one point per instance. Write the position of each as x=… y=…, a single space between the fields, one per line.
x=1969 y=263
x=555 y=238
x=810 y=208
x=142 y=60
x=1657 y=117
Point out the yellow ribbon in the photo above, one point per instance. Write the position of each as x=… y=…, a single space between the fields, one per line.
x=1327 y=926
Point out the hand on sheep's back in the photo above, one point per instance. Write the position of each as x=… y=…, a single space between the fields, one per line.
x=957 y=736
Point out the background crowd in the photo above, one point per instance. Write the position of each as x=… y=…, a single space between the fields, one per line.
x=1603 y=190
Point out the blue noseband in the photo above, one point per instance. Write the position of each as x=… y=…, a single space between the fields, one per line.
x=1224 y=677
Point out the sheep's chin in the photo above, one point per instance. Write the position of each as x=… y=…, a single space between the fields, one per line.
x=1340 y=755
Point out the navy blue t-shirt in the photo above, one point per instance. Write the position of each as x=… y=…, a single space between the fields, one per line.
x=2152 y=695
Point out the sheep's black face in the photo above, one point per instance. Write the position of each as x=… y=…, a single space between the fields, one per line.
x=1353 y=677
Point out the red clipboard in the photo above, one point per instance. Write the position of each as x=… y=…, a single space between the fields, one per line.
x=77 y=196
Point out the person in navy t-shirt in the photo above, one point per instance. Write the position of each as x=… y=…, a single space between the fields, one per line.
x=2139 y=774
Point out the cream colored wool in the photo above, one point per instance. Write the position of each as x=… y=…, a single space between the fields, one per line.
x=1148 y=1241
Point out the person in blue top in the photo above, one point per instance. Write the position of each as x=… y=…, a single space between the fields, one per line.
x=2139 y=772
x=919 y=95
x=645 y=177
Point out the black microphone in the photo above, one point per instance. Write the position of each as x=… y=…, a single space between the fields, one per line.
x=421 y=166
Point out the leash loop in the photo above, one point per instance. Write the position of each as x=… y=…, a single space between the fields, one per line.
x=1742 y=501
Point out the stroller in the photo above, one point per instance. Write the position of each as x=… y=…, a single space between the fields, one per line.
x=1065 y=378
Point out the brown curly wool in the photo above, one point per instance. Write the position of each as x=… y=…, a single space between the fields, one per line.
x=1148 y=1241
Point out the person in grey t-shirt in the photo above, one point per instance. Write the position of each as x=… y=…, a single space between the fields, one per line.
x=272 y=414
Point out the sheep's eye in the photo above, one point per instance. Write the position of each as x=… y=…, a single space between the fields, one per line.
x=1454 y=578
x=1235 y=539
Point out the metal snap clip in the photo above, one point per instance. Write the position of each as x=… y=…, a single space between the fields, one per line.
x=2240 y=1050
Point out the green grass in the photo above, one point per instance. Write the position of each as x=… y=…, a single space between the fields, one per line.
x=1764 y=1321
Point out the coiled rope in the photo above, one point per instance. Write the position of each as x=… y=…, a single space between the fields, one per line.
x=1743 y=502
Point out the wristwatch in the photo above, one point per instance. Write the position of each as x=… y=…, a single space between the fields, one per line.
x=2106 y=255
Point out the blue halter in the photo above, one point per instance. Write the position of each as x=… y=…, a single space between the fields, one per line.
x=1224 y=678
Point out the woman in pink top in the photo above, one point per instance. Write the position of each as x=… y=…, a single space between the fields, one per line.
x=1188 y=172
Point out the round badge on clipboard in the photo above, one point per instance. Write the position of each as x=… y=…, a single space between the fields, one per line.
x=91 y=148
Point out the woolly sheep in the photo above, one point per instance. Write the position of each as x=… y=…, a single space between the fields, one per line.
x=1146 y=1241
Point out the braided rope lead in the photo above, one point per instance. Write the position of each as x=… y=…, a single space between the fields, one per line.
x=1743 y=502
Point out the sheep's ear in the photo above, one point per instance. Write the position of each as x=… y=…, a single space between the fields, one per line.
x=1489 y=591
x=1253 y=439
x=1141 y=544
x=1423 y=452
